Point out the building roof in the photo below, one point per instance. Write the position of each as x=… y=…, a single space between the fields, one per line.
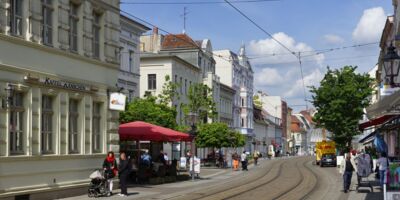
x=133 y=22
x=178 y=41
x=296 y=125
x=307 y=116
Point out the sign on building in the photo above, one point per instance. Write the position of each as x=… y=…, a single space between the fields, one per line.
x=117 y=101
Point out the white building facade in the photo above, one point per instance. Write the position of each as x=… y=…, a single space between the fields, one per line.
x=235 y=71
x=129 y=77
x=57 y=68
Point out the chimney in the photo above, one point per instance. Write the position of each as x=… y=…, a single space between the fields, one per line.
x=155 y=30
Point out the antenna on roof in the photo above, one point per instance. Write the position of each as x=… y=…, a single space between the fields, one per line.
x=184 y=15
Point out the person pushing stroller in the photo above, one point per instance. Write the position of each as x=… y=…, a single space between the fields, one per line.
x=110 y=168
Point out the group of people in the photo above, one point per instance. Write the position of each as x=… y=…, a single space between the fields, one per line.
x=113 y=169
x=362 y=165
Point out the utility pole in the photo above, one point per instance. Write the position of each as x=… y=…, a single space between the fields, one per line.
x=185 y=13
x=302 y=77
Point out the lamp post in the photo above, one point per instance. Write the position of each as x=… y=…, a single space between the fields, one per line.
x=9 y=94
x=192 y=117
x=391 y=64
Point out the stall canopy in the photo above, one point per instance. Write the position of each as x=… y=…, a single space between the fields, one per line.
x=376 y=121
x=149 y=132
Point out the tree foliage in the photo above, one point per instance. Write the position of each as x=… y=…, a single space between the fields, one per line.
x=201 y=102
x=169 y=92
x=218 y=135
x=257 y=101
x=148 y=110
x=340 y=100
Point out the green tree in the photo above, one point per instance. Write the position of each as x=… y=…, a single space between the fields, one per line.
x=201 y=102
x=148 y=110
x=169 y=92
x=218 y=135
x=257 y=101
x=340 y=100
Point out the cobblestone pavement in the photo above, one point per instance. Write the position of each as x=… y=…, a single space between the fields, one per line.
x=285 y=178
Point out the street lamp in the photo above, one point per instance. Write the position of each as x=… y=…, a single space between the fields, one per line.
x=192 y=118
x=9 y=94
x=391 y=64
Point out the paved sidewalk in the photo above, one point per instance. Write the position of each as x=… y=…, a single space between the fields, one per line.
x=169 y=190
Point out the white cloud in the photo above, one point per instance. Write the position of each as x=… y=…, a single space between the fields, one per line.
x=262 y=50
x=268 y=77
x=370 y=26
x=311 y=79
x=333 y=39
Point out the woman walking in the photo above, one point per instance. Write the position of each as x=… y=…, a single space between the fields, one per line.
x=110 y=170
x=383 y=163
x=123 y=174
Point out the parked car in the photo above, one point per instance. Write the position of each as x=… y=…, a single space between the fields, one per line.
x=328 y=160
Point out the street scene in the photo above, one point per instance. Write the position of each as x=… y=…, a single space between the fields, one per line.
x=199 y=99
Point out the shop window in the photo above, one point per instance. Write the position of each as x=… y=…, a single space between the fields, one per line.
x=73 y=27
x=47 y=28
x=16 y=17
x=16 y=128
x=73 y=126
x=96 y=140
x=47 y=125
x=152 y=81
x=96 y=35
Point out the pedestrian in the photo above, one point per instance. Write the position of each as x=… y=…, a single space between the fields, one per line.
x=110 y=170
x=255 y=157
x=124 y=170
x=161 y=158
x=346 y=168
x=145 y=159
x=383 y=163
x=166 y=158
x=243 y=159
x=235 y=158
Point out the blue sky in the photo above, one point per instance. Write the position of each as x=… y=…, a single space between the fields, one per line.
x=302 y=25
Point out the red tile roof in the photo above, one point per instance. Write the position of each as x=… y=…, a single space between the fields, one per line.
x=178 y=41
x=307 y=115
x=295 y=126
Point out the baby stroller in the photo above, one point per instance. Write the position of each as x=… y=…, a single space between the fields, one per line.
x=98 y=185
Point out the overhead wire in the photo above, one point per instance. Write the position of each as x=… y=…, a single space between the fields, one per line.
x=277 y=41
x=193 y=2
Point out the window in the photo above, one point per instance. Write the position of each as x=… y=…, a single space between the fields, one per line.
x=47 y=125
x=242 y=102
x=151 y=82
x=47 y=28
x=185 y=86
x=130 y=61
x=96 y=35
x=16 y=124
x=199 y=64
x=130 y=95
x=242 y=123
x=16 y=17
x=176 y=79
x=73 y=27
x=181 y=84
x=73 y=126
x=96 y=140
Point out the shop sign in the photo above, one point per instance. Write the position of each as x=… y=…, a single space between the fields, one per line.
x=58 y=83
x=117 y=101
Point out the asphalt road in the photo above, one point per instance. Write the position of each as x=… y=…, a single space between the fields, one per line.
x=288 y=178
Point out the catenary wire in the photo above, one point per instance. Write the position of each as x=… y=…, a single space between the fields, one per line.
x=194 y=2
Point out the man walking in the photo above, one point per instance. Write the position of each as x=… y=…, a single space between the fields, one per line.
x=346 y=168
x=243 y=159
x=255 y=157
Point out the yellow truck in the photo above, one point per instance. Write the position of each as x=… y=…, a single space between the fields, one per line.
x=326 y=153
